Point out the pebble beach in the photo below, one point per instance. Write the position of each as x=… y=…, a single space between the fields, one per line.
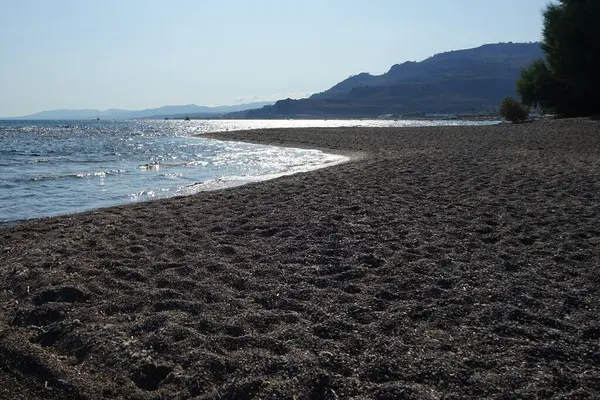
x=438 y=262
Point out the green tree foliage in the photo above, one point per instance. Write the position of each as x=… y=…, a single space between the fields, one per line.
x=513 y=111
x=568 y=81
x=539 y=87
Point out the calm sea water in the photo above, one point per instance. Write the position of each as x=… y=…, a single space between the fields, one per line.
x=58 y=167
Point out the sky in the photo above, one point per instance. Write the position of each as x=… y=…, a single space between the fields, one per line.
x=136 y=54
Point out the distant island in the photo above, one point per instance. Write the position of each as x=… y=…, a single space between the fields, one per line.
x=170 y=112
x=472 y=81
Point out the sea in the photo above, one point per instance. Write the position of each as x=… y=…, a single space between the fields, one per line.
x=50 y=168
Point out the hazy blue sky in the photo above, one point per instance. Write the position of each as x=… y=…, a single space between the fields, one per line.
x=136 y=54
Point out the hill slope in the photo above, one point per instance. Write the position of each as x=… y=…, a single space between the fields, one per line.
x=453 y=82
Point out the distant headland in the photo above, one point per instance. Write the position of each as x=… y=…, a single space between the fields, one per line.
x=472 y=81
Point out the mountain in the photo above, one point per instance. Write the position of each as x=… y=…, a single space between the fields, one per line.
x=190 y=110
x=461 y=81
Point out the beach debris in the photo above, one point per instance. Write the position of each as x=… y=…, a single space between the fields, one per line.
x=151 y=166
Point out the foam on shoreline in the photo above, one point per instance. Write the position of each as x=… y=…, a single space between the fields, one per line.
x=233 y=181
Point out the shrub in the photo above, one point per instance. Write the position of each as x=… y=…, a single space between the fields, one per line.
x=513 y=111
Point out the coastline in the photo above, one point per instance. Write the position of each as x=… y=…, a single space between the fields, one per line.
x=439 y=262
x=253 y=136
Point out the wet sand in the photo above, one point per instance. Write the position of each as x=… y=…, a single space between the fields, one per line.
x=450 y=262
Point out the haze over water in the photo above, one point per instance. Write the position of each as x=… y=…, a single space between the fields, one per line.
x=58 y=167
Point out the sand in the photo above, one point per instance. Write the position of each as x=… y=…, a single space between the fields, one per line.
x=450 y=262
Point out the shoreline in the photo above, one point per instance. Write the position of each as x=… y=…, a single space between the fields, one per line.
x=241 y=136
x=218 y=183
x=455 y=262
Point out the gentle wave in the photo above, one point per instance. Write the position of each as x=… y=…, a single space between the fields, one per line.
x=79 y=175
x=222 y=182
x=148 y=194
x=158 y=164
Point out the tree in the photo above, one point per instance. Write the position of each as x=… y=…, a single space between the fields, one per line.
x=513 y=111
x=539 y=87
x=567 y=82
